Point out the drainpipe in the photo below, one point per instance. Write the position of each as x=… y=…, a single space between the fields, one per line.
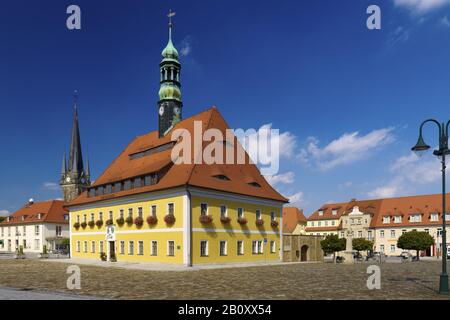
x=190 y=226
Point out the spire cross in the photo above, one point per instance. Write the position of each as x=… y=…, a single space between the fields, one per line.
x=170 y=15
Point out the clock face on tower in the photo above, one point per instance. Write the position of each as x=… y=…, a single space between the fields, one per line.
x=68 y=179
x=161 y=110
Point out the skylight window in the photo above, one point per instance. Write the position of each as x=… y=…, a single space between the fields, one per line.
x=222 y=177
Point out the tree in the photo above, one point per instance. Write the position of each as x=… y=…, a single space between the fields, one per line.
x=332 y=244
x=415 y=240
x=361 y=244
x=2 y=219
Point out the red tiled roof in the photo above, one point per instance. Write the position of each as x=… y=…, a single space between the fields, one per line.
x=291 y=218
x=51 y=211
x=198 y=175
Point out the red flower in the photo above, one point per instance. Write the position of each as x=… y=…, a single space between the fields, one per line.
x=109 y=222
x=242 y=220
x=225 y=220
x=83 y=224
x=274 y=223
x=91 y=223
x=139 y=221
x=99 y=223
x=152 y=220
x=205 y=219
x=169 y=219
x=129 y=220
x=120 y=221
x=260 y=222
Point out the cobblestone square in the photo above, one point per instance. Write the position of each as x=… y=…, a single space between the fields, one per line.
x=292 y=281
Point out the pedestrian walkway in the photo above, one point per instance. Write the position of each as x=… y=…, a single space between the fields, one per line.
x=7 y=293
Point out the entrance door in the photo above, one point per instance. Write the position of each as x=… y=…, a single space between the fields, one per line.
x=304 y=253
x=112 y=250
x=9 y=245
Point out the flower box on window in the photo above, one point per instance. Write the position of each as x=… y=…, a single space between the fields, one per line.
x=99 y=223
x=109 y=222
x=152 y=220
x=83 y=225
x=169 y=219
x=242 y=220
x=225 y=220
x=91 y=223
x=129 y=220
x=139 y=221
x=274 y=223
x=260 y=222
x=120 y=221
x=205 y=219
x=76 y=225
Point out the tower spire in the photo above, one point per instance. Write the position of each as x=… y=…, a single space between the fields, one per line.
x=64 y=165
x=170 y=103
x=75 y=156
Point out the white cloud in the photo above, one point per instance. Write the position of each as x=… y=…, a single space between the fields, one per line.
x=445 y=21
x=349 y=148
x=296 y=199
x=407 y=173
x=4 y=213
x=284 y=178
x=51 y=186
x=186 y=46
x=421 y=6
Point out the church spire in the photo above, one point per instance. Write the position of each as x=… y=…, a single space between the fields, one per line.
x=170 y=102
x=75 y=157
x=64 y=165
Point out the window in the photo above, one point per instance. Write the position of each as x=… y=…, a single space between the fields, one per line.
x=326 y=223
x=24 y=230
x=84 y=218
x=360 y=234
x=398 y=219
x=130 y=212
x=272 y=216
x=92 y=246
x=130 y=248
x=92 y=217
x=100 y=247
x=320 y=212
x=203 y=209
x=153 y=210
x=58 y=231
x=36 y=230
x=3 y=232
x=240 y=212
x=392 y=247
x=342 y=234
x=392 y=233
x=254 y=247
x=369 y=234
x=171 y=248
x=85 y=247
x=140 y=248
x=272 y=246
x=78 y=246
x=37 y=245
x=403 y=231
x=258 y=214
x=78 y=218
x=381 y=233
x=334 y=212
x=111 y=216
x=9 y=231
x=140 y=212
x=382 y=248
x=154 y=248
x=434 y=217
x=100 y=216
x=223 y=211
x=122 y=247
x=332 y=223
x=415 y=218
x=319 y=223
x=260 y=246
x=386 y=219
x=223 y=248
x=203 y=248
x=240 y=248
x=170 y=209
x=427 y=231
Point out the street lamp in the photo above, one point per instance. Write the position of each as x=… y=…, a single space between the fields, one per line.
x=443 y=150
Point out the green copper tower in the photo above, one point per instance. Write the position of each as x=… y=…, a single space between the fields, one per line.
x=169 y=104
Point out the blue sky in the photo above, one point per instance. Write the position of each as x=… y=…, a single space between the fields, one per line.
x=348 y=101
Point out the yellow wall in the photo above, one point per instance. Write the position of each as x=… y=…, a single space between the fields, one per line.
x=234 y=232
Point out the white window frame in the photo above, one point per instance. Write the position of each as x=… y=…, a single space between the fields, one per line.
x=131 y=247
x=169 y=246
x=153 y=249
x=272 y=246
x=140 y=251
x=206 y=253
x=153 y=210
x=78 y=246
x=92 y=246
x=258 y=214
x=223 y=253
x=386 y=219
x=122 y=247
x=242 y=214
x=201 y=209
x=240 y=252
x=226 y=211
x=173 y=208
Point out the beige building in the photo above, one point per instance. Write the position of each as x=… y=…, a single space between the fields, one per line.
x=294 y=221
x=383 y=221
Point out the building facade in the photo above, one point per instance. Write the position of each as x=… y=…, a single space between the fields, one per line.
x=34 y=226
x=294 y=221
x=383 y=221
x=148 y=207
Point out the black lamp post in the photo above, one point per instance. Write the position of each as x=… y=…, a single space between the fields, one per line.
x=441 y=152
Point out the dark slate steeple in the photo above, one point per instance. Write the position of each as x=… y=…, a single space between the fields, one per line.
x=74 y=178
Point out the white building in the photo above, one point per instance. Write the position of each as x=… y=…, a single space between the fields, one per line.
x=34 y=226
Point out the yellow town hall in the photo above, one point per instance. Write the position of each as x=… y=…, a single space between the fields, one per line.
x=146 y=208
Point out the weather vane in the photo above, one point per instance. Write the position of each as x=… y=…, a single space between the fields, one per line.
x=170 y=15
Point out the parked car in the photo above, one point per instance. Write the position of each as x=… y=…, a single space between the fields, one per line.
x=405 y=255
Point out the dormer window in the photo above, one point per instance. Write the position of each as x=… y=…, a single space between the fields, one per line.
x=386 y=219
x=398 y=219
x=415 y=218
x=23 y=218
x=39 y=216
x=320 y=212
x=434 y=217
x=255 y=184
x=222 y=177
x=334 y=212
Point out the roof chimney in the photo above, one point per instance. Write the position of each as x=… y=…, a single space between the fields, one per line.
x=353 y=200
